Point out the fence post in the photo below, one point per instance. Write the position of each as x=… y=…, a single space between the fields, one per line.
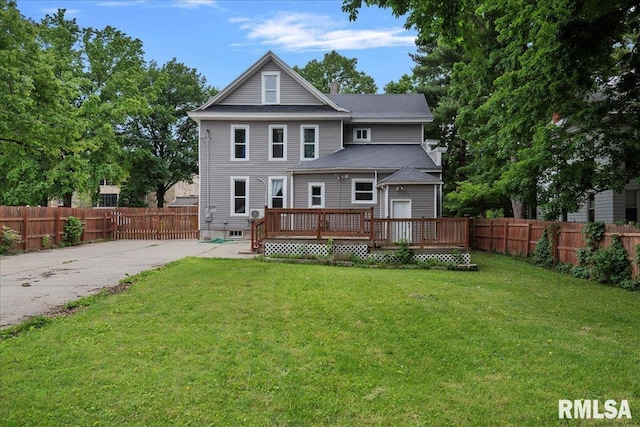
x=25 y=233
x=506 y=237
x=56 y=228
x=467 y=240
x=526 y=247
x=490 y=235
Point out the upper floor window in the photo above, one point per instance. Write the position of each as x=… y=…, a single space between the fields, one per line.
x=362 y=134
x=239 y=142
x=277 y=142
x=309 y=141
x=270 y=87
x=363 y=191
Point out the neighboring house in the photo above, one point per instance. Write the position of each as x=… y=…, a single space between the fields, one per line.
x=609 y=207
x=270 y=139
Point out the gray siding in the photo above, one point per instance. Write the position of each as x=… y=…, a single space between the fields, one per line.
x=609 y=207
x=422 y=199
x=216 y=167
x=337 y=191
x=387 y=133
x=291 y=92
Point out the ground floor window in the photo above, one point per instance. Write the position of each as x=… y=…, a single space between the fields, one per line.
x=108 y=200
x=316 y=195
x=277 y=192
x=239 y=196
x=591 y=208
x=363 y=191
x=631 y=206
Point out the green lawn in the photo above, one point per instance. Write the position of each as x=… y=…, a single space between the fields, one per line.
x=237 y=342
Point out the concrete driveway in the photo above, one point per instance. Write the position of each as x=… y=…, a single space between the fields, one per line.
x=34 y=283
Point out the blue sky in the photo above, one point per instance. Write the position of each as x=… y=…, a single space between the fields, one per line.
x=222 y=38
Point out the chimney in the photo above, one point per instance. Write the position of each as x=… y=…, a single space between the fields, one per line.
x=333 y=88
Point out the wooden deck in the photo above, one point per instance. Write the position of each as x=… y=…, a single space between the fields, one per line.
x=359 y=224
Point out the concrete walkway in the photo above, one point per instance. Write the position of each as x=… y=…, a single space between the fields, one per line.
x=34 y=283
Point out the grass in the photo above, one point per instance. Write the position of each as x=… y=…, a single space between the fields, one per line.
x=237 y=342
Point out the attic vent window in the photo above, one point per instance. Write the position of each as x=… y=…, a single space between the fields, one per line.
x=270 y=87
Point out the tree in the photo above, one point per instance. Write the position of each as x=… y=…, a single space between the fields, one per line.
x=163 y=142
x=522 y=62
x=335 y=68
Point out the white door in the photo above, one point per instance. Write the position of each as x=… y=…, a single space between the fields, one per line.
x=401 y=230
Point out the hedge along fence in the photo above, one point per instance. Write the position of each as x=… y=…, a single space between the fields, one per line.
x=520 y=236
x=42 y=227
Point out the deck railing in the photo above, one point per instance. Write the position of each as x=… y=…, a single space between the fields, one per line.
x=359 y=223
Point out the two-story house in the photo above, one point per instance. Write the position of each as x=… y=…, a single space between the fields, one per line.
x=271 y=139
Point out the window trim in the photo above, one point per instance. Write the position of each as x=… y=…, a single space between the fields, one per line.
x=310 y=195
x=270 y=191
x=316 y=143
x=284 y=143
x=355 y=133
x=264 y=87
x=233 y=143
x=371 y=181
x=232 y=196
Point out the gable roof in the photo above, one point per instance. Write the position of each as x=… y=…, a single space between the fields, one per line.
x=397 y=108
x=409 y=175
x=373 y=157
x=269 y=56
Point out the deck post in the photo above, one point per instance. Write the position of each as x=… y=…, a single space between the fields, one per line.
x=467 y=241
x=320 y=220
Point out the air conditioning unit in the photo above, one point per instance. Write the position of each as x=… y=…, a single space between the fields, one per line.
x=256 y=213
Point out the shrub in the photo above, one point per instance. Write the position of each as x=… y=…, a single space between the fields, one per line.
x=593 y=232
x=8 y=239
x=73 y=229
x=542 y=255
x=46 y=241
x=404 y=253
x=610 y=265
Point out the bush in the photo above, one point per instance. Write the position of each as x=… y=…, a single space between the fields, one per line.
x=404 y=253
x=73 y=229
x=8 y=239
x=610 y=265
x=542 y=255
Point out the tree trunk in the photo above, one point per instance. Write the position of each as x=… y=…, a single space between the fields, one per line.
x=518 y=209
x=66 y=200
x=160 y=192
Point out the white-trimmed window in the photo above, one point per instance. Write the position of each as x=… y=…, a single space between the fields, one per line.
x=363 y=191
x=362 y=135
x=309 y=142
x=316 y=194
x=239 y=196
x=277 y=191
x=270 y=87
x=277 y=142
x=239 y=142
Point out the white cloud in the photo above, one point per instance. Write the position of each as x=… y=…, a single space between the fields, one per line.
x=183 y=4
x=192 y=4
x=67 y=13
x=292 y=31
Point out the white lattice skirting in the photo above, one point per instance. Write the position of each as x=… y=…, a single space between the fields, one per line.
x=271 y=249
x=361 y=251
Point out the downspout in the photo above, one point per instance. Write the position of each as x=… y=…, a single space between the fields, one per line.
x=435 y=201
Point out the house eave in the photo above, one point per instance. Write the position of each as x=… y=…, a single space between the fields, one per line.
x=420 y=120
x=199 y=115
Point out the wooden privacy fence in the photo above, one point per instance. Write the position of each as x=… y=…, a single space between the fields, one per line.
x=359 y=224
x=519 y=236
x=41 y=227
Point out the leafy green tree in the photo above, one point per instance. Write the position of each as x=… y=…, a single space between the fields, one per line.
x=339 y=69
x=521 y=63
x=163 y=142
